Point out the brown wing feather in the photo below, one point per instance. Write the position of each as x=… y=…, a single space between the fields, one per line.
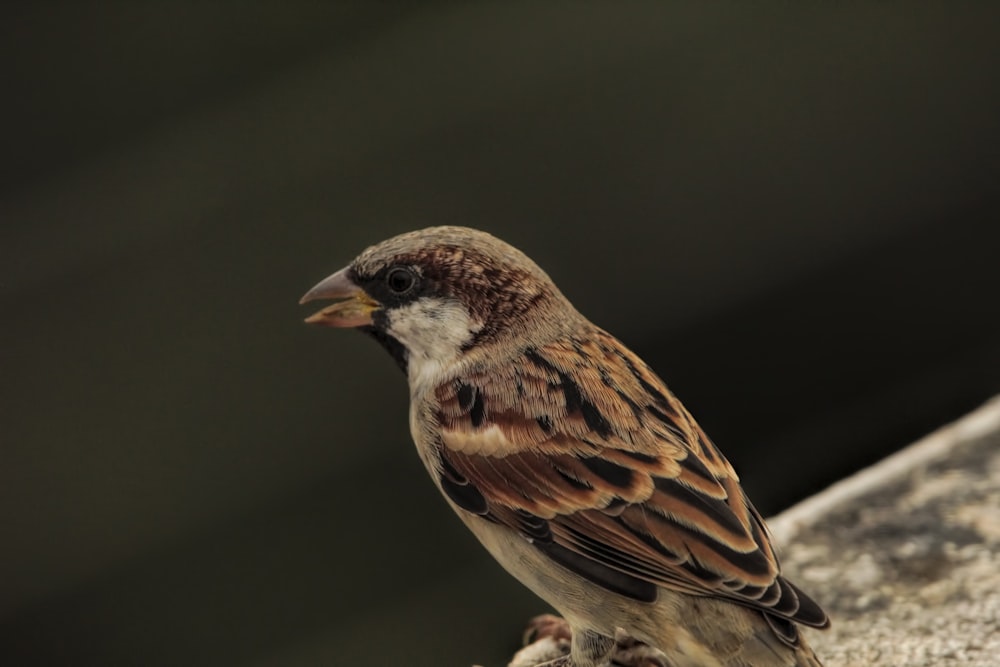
x=582 y=448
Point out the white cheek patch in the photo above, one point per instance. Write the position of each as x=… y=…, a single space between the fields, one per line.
x=433 y=332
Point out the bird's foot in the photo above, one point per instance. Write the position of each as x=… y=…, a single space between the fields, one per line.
x=546 y=643
x=630 y=652
x=547 y=640
x=546 y=625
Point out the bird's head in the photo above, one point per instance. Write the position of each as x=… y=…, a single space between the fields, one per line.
x=443 y=294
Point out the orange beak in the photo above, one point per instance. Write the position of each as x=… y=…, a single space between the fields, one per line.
x=354 y=311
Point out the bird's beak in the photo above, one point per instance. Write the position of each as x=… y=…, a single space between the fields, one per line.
x=356 y=309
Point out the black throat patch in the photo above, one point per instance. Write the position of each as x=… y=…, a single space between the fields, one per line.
x=395 y=349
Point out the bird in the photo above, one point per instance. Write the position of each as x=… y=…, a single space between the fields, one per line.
x=569 y=458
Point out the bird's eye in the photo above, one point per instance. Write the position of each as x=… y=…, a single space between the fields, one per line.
x=400 y=280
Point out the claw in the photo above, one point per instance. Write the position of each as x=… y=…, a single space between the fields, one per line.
x=546 y=625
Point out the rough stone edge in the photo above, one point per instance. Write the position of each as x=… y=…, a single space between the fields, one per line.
x=786 y=526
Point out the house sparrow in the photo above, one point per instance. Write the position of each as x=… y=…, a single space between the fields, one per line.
x=569 y=458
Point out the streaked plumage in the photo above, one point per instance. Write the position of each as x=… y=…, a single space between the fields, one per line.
x=569 y=458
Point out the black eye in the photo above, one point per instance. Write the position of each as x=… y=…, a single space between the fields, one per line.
x=400 y=280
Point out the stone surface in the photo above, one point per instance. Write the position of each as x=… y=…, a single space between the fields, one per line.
x=906 y=556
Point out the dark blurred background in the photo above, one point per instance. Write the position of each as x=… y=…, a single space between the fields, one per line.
x=790 y=210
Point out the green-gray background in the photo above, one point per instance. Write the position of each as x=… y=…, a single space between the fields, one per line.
x=790 y=209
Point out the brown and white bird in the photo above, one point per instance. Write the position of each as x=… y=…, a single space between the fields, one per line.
x=569 y=458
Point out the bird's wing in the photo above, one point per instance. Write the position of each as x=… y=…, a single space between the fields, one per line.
x=581 y=448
